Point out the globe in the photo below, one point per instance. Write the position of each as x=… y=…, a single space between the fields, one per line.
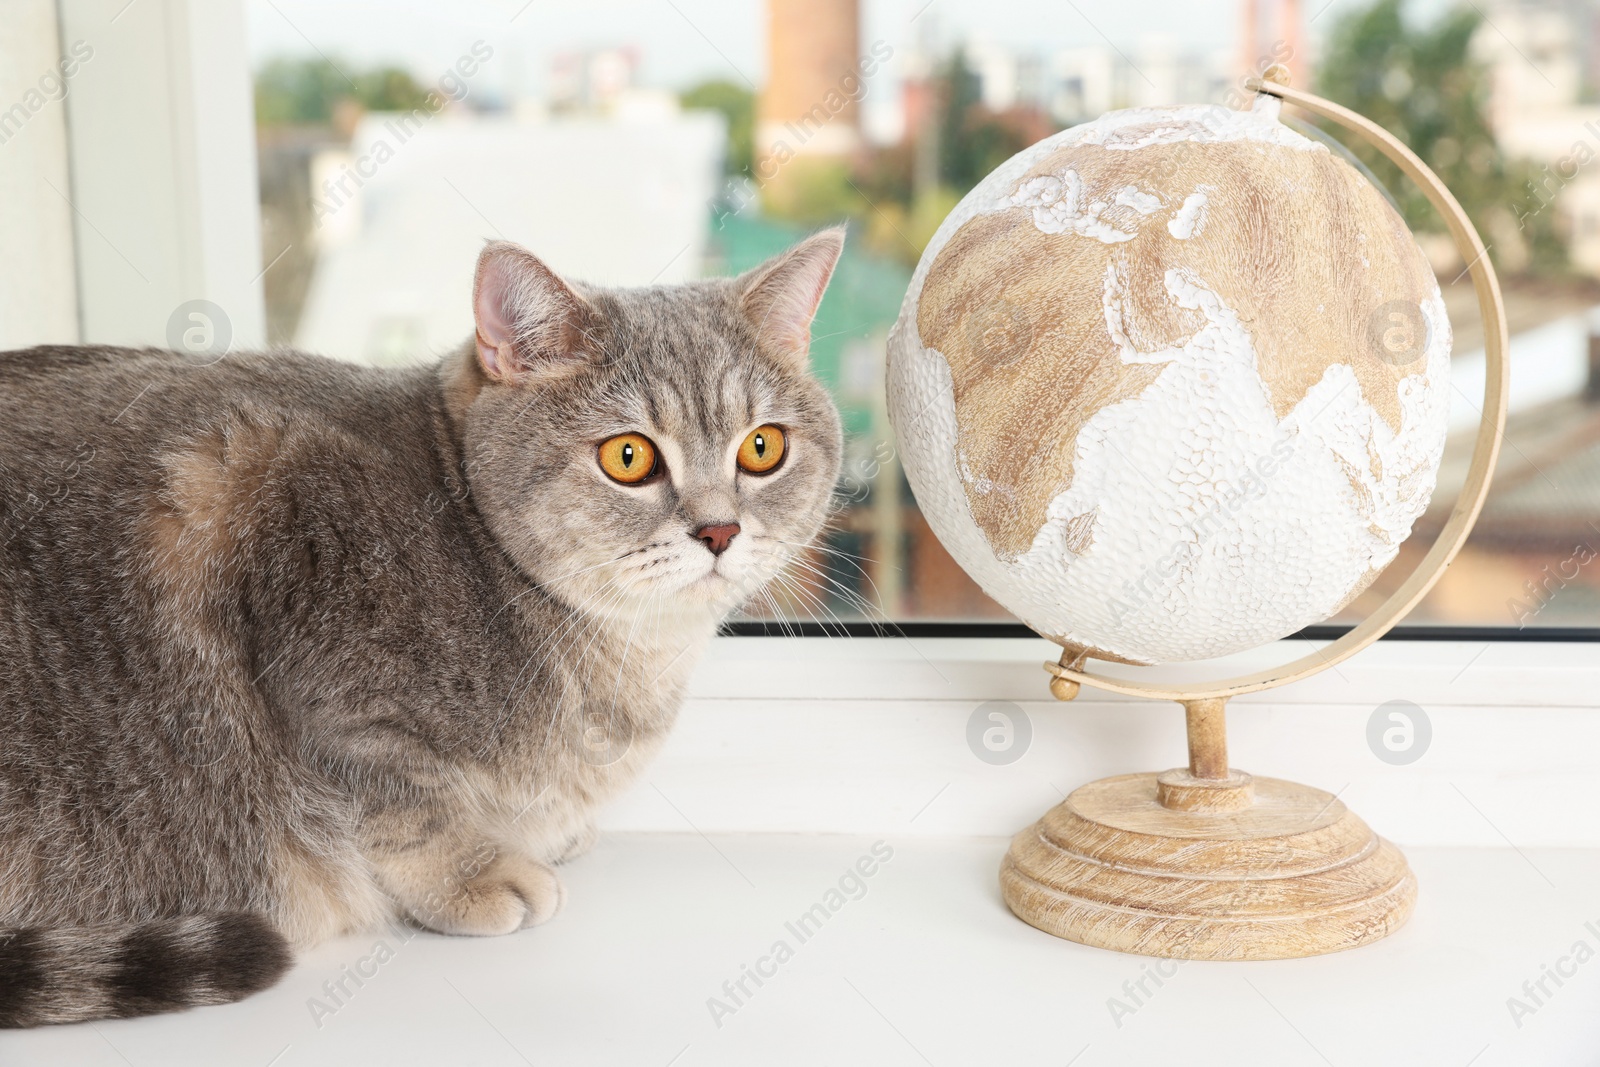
x=1173 y=383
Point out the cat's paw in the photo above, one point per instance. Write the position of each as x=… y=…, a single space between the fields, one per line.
x=578 y=843
x=510 y=894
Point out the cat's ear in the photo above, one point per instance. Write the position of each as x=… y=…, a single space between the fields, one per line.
x=528 y=319
x=780 y=297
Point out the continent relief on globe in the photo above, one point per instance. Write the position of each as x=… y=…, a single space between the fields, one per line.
x=1019 y=300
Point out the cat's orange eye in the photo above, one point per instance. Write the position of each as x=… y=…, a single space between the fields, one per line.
x=762 y=450
x=628 y=458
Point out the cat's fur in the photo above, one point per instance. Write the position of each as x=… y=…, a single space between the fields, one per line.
x=291 y=647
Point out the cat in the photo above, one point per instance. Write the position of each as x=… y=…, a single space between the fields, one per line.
x=291 y=648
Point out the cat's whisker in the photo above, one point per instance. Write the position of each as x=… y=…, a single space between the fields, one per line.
x=777 y=612
x=862 y=570
x=546 y=583
x=581 y=658
x=809 y=596
x=850 y=596
x=819 y=546
x=847 y=557
x=549 y=643
x=627 y=649
x=795 y=593
x=585 y=570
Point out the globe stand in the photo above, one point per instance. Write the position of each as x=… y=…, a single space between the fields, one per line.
x=1206 y=862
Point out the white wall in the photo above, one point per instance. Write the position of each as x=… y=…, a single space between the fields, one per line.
x=37 y=286
x=161 y=139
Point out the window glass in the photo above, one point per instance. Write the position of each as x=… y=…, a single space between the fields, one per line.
x=633 y=142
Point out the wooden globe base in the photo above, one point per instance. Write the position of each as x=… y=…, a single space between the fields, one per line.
x=1207 y=863
x=1287 y=872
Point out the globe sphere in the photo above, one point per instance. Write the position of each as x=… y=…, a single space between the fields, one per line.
x=1173 y=383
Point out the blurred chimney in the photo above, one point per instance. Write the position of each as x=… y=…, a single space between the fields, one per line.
x=1279 y=38
x=810 y=105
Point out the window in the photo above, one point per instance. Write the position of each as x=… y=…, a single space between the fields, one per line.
x=634 y=143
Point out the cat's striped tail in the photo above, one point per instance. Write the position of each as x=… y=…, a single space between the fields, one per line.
x=75 y=974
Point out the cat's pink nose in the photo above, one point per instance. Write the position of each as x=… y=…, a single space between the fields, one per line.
x=717 y=537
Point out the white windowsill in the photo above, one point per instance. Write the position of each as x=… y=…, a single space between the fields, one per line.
x=927 y=967
x=1507 y=674
x=868 y=736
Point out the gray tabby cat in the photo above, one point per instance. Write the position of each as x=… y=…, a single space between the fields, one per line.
x=291 y=648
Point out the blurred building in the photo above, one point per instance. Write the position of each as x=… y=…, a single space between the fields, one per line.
x=1083 y=83
x=1544 y=66
x=404 y=210
x=1074 y=85
x=1006 y=78
x=594 y=79
x=1533 y=559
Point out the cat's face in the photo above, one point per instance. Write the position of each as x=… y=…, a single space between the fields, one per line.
x=651 y=452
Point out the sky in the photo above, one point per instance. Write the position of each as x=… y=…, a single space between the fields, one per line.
x=684 y=41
